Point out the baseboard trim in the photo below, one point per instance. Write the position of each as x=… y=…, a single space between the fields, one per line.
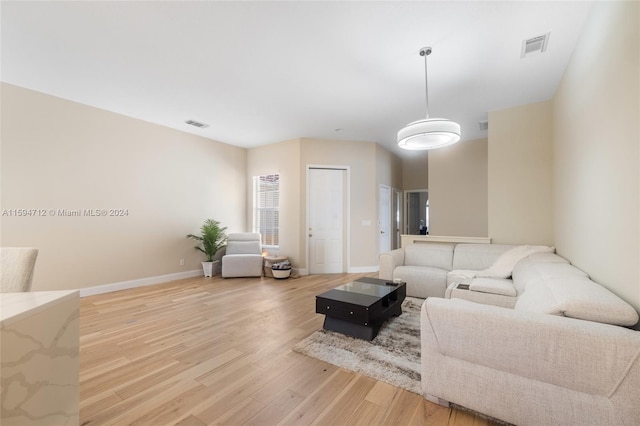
x=142 y=282
x=352 y=270
x=363 y=269
x=124 y=285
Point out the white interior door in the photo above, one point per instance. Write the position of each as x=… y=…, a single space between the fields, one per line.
x=384 y=219
x=326 y=220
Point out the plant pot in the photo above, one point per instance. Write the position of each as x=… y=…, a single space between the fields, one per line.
x=211 y=268
x=207 y=268
x=281 y=274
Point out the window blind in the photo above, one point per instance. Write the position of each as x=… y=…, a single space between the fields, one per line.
x=266 y=221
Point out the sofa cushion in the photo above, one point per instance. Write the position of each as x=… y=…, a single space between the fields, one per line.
x=504 y=264
x=477 y=256
x=501 y=286
x=577 y=297
x=434 y=255
x=530 y=271
x=542 y=257
x=423 y=281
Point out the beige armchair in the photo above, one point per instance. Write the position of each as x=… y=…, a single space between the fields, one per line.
x=243 y=257
x=16 y=268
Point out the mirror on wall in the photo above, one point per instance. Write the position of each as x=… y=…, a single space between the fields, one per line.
x=416 y=212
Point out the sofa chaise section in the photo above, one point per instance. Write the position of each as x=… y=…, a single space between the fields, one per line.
x=521 y=335
x=529 y=368
x=561 y=355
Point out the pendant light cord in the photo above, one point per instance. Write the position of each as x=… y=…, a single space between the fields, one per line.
x=426 y=51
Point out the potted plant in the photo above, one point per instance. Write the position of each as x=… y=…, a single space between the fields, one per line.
x=211 y=240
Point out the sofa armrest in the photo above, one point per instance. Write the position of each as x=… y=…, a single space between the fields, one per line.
x=389 y=261
x=584 y=356
x=453 y=292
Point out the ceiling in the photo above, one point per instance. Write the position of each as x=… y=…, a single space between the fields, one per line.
x=264 y=72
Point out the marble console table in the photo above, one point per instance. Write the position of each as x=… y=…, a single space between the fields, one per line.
x=39 y=358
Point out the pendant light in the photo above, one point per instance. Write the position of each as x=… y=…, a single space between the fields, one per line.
x=429 y=133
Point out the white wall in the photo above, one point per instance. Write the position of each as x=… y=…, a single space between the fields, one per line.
x=596 y=117
x=58 y=154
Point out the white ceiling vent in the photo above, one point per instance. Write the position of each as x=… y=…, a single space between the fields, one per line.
x=197 y=124
x=484 y=125
x=534 y=45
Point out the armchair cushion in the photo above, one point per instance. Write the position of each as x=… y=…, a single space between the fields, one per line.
x=241 y=265
x=243 y=256
x=244 y=247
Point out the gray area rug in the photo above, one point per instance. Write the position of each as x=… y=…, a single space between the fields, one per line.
x=392 y=357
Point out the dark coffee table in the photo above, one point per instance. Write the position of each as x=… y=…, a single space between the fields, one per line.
x=359 y=308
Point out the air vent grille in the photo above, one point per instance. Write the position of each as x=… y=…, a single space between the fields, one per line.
x=484 y=125
x=197 y=124
x=533 y=45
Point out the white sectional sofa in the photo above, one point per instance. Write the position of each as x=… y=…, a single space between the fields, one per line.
x=430 y=267
x=546 y=346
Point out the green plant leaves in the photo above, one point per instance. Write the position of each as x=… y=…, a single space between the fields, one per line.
x=212 y=238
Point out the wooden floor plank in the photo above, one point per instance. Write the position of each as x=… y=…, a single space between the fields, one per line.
x=276 y=409
x=317 y=402
x=204 y=351
x=341 y=410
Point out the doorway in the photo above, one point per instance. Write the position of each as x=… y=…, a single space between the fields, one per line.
x=417 y=212
x=327 y=212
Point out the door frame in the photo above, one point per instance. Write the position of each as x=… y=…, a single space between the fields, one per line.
x=346 y=229
x=406 y=208
x=389 y=214
x=397 y=210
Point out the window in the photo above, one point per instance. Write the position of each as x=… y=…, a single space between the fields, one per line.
x=266 y=201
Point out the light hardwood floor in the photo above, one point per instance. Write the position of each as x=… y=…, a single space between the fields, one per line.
x=207 y=351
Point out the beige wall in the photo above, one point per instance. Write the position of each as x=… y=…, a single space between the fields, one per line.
x=282 y=158
x=388 y=168
x=389 y=173
x=596 y=116
x=58 y=154
x=415 y=170
x=458 y=190
x=360 y=157
x=369 y=165
x=519 y=175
